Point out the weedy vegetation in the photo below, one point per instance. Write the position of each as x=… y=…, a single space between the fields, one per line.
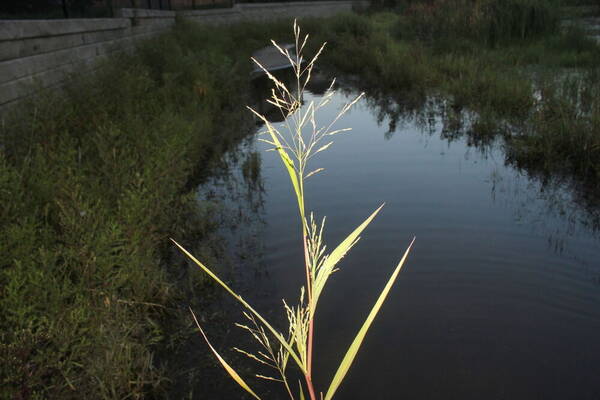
x=300 y=140
x=93 y=182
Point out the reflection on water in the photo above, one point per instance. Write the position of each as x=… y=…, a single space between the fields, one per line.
x=501 y=297
x=436 y=116
x=232 y=199
x=239 y=192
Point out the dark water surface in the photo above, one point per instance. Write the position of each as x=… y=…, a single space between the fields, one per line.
x=500 y=298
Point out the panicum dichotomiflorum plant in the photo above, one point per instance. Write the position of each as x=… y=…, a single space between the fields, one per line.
x=296 y=145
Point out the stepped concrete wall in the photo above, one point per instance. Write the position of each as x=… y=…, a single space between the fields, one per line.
x=37 y=54
x=40 y=53
x=270 y=11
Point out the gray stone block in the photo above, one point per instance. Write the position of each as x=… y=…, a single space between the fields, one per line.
x=24 y=29
x=28 y=85
x=160 y=22
x=144 y=13
x=21 y=67
x=29 y=47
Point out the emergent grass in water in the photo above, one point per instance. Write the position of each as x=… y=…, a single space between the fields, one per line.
x=302 y=141
x=510 y=75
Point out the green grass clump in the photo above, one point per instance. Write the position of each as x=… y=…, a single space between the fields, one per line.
x=362 y=46
x=409 y=68
x=93 y=181
x=488 y=22
x=472 y=83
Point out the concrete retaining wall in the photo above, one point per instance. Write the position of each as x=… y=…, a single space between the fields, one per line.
x=270 y=11
x=40 y=53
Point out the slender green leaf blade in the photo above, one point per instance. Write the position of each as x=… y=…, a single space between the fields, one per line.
x=234 y=375
x=289 y=165
x=291 y=169
x=285 y=158
x=357 y=342
x=337 y=254
x=239 y=298
x=341 y=250
x=301 y=391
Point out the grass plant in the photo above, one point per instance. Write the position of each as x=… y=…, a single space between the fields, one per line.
x=296 y=145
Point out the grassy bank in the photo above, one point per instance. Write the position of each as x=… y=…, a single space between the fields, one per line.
x=93 y=182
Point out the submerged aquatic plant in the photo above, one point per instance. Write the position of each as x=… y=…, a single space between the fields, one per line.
x=296 y=145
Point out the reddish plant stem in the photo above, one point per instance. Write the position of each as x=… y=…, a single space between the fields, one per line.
x=309 y=292
x=307 y=266
x=311 y=389
x=309 y=346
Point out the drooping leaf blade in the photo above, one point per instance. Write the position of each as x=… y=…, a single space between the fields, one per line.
x=357 y=342
x=234 y=375
x=280 y=338
x=291 y=169
x=285 y=159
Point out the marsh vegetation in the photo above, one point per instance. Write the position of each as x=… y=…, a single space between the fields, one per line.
x=96 y=178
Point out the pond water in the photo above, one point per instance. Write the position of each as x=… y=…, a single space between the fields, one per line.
x=500 y=297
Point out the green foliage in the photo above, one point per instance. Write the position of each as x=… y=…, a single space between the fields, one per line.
x=93 y=181
x=472 y=83
x=489 y=22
